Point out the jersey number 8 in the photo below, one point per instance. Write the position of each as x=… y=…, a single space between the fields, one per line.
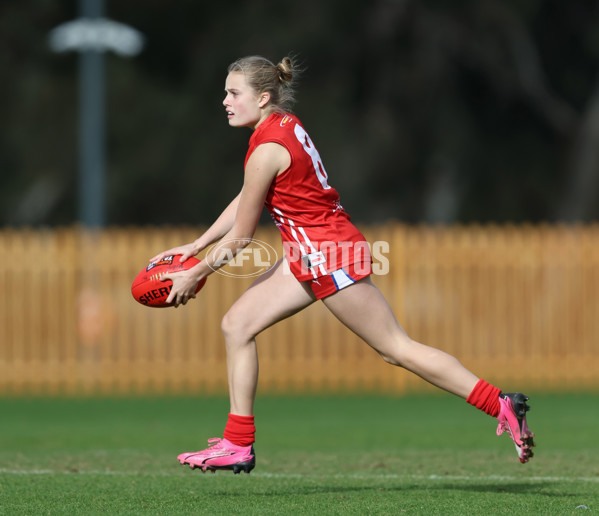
x=306 y=142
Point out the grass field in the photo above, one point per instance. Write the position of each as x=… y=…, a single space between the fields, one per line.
x=319 y=455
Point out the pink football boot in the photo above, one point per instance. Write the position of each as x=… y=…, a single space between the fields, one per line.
x=512 y=419
x=221 y=454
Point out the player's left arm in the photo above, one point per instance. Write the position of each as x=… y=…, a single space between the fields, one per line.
x=264 y=164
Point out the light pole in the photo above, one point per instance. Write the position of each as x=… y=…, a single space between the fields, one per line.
x=92 y=35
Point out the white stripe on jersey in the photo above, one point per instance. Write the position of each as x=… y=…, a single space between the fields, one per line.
x=307 y=241
x=321 y=267
x=293 y=233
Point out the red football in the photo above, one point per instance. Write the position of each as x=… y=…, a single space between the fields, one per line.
x=147 y=288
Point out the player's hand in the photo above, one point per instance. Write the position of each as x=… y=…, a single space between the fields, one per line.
x=184 y=286
x=185 y=251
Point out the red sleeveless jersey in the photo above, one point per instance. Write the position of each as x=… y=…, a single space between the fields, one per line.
x=317 y=234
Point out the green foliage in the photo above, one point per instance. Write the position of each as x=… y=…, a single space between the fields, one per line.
x=371 y=455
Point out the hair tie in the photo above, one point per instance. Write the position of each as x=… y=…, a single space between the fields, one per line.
x=280 y=73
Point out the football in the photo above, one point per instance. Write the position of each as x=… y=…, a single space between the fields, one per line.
x=149 y=290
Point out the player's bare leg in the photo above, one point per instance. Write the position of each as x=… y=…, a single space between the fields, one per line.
x=363 y=309
x=271 y=298
x=274 y=296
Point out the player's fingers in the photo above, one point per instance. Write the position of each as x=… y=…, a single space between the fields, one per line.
x=163 y=254
x=182 y=299
x=172 y=298
x=185 y=255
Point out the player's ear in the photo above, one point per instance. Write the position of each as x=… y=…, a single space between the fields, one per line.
x=263 y=99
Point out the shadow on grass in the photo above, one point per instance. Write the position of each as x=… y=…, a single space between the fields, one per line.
x=512 y=488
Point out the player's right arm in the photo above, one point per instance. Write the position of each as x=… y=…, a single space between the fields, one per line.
x=221 y=226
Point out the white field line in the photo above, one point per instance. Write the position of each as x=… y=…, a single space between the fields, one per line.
x=283 y=476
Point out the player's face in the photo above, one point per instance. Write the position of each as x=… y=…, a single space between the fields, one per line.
x=242 y=103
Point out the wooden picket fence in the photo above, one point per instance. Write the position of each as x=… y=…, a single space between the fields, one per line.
x=519 y=305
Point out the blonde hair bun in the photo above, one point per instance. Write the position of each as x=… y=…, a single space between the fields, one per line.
x=264 y=76
x=285 y=69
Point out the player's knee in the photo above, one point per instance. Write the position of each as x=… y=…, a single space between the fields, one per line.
x=399 y=354
x=228 y=325
x=234 y=327
x=391 y=359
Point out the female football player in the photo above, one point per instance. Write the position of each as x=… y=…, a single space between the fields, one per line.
x=326 y=258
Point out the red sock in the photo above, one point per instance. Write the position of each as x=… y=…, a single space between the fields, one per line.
x=240 y=430
x=485 y=397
